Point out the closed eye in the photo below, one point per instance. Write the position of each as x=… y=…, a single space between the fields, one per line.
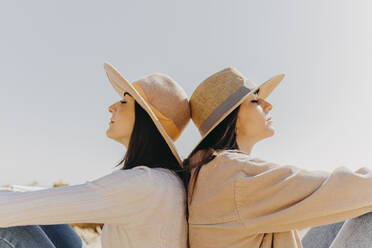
x=123 y=101
x=256 y=101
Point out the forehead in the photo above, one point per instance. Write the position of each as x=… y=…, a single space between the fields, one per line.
x=126 y=95
x=253 y=96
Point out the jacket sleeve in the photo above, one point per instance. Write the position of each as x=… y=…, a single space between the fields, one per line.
x=276 y=198
x=115 y=198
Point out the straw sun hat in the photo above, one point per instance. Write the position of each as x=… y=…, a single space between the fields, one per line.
x=218 y=95
x=161 y=97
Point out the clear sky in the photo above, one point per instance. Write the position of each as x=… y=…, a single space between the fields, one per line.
x=54 y=94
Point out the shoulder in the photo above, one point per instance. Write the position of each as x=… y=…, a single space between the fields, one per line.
x=139 y=177
x=166 y=177
x=243 y=165
x=119 y=175
x=239 y=156
x=158 y=177
x=228 y=163
x=229 y=159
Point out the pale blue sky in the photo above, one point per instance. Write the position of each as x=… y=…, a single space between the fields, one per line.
x=54 y=92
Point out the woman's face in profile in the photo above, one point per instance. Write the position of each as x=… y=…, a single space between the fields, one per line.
x=123 y=117
x=252 y=124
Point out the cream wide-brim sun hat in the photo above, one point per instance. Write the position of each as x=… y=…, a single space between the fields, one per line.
x=218 y=95
x=161 y=97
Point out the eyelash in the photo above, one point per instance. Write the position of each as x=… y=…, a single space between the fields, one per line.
x=123 y=101
x=254 y=101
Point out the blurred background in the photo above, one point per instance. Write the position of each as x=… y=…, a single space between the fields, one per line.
x=54 y=93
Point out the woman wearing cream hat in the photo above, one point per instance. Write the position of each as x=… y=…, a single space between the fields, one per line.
x=142 y=204
x=237 y=200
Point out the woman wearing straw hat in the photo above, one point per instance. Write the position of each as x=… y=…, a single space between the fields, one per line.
x=142 y=204
x=238 y=200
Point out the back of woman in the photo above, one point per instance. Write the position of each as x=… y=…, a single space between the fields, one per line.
x=237 y=200
x=141 y=204
x=228 y=210
x=157 y=216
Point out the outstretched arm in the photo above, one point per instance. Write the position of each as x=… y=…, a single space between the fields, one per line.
x=275 y=198
x=114 y=198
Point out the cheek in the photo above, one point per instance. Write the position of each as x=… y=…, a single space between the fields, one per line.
x=256 y=123
x=252 y=122
x=124 y=124
x=259 y=118
x=124 y=128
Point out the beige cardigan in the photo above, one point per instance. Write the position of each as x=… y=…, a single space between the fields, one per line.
x=140 y=207
x=242 y=201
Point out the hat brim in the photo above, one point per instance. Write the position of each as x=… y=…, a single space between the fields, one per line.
x=122 y=85
x=265 y=90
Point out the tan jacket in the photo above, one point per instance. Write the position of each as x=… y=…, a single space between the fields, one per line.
x=246 y=202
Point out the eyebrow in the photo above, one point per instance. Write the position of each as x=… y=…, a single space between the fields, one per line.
x=256 y=92
x=126 y=93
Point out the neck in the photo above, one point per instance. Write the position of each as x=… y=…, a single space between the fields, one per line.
x=245 y=144
x=124 y=142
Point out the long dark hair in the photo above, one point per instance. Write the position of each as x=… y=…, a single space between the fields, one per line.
x=155 y=153
x=222 y=137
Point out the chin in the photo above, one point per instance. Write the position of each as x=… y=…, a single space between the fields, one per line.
x=112 y=137
x=108 y=134
x=270 y=132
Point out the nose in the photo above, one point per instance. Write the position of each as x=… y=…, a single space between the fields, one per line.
x=269 y=107
x=266 y=106
x=111 y=108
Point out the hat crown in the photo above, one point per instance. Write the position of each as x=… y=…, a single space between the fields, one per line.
x=161 y=97
x=168 y=97
x=214 y=92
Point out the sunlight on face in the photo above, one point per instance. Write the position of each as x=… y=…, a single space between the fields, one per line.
x=252 y=125
x=123 y=115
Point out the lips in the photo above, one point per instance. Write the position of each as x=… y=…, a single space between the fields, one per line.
x=268 y=118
